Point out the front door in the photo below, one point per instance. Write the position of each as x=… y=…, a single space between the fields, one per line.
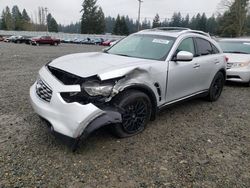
x=183 y=76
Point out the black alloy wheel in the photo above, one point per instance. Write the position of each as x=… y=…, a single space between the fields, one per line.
x=216 y=87
x=135 y=108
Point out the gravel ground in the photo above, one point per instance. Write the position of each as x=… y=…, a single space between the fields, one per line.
x=194 y=144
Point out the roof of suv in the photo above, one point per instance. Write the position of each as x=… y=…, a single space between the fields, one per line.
x=173 y=31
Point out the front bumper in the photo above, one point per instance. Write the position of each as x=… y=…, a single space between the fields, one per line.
x=238 y=75
x=71 y=120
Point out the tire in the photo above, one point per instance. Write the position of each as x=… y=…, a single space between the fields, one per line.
x=248 y=84
x=216 y=87
x=38 y=44
x=136 y=109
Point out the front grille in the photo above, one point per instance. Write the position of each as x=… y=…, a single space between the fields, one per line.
x=43 y=91
x=65 y=77
x=229 y=65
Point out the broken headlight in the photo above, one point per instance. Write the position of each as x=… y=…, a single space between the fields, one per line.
x=95 y=88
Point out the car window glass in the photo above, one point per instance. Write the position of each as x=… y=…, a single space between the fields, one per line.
x=187 y=45
x=204 y=47
x=155 y=47
x=215 y=49
x=235 y=46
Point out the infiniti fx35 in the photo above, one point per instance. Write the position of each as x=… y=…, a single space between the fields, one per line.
x=126 y=85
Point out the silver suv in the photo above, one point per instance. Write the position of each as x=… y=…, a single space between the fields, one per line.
x=126 y=85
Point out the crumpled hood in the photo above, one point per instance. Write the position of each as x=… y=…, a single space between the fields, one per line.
x=96 y=63
x=237 y=58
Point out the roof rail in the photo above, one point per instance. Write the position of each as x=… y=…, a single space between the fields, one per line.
x=171 y=28
x=196 y=32
x=180 y=30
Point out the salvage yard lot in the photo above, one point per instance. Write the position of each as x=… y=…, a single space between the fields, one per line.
x=194 y=144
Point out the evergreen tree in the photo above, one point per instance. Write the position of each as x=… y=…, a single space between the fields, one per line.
x=156 y=21
x=25 y=16
x=26 y=21
x=185 y=22
x=176 y=20
x=212 y=25
x=7 y=22
x=3 y=21
x=17 y=18
x=233 y=21
x=117 y=29
x=71 y=28
x=202 y=23
x=93 y=21
x=52 y=24
x=100 y=27
x=146 y=24
x=124 y=27
x=109 y=23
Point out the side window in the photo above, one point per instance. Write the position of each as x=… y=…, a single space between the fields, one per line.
x=187 y=45
x=203 y=47
x=215 y=49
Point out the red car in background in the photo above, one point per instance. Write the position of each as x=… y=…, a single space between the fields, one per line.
x=107 y=42
x=1 y=38
x=45 y=40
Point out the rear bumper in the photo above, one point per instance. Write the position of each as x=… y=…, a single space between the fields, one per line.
x=238 y=75
x=69 y=121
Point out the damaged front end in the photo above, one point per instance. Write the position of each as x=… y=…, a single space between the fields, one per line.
x=78 y=106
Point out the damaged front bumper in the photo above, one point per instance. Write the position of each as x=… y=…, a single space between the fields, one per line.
x=69 y=121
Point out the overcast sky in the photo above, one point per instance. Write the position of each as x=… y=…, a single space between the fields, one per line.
x=66 y=11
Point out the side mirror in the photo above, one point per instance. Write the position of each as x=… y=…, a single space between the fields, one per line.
x=184 y=56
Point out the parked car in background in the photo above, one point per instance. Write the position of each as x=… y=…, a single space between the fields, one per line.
x=45 y=40
x=1 y=38
x=97 y=41
x=22 y=39
x=125 y=86
x=10 y=39
x=86 y=41
x=107 y=42
x=114 y=42
x=67 y=40
x=238 y=53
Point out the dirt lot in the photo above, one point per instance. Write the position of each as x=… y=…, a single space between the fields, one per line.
x=195 y=144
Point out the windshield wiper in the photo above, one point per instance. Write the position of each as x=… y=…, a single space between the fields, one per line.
x=236 y=52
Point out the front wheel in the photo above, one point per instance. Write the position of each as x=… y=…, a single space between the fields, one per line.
x=216 y=87
x=135 y=108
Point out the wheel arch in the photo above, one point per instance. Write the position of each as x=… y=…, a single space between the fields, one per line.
x=149 y=92
x=223 y=71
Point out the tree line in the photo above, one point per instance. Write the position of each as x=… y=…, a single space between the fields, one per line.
x=234 y=21
x=14 y=19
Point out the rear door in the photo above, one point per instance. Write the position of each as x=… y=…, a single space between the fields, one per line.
x=183 y=77
x=208 y=57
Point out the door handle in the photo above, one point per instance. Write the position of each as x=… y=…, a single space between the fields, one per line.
x=196 y=65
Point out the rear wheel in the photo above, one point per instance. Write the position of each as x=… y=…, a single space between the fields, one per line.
x=216 y=87
x=136 y=108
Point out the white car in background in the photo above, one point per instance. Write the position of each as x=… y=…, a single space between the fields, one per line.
x=238 y=54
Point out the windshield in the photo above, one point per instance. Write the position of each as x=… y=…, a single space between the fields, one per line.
x=235 y=47
x=153 y=47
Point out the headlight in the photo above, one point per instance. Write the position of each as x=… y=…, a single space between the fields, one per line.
x=94 y=88
x=240 y=65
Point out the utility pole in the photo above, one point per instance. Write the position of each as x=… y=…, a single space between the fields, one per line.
x=46 y=13
x=139 y=14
